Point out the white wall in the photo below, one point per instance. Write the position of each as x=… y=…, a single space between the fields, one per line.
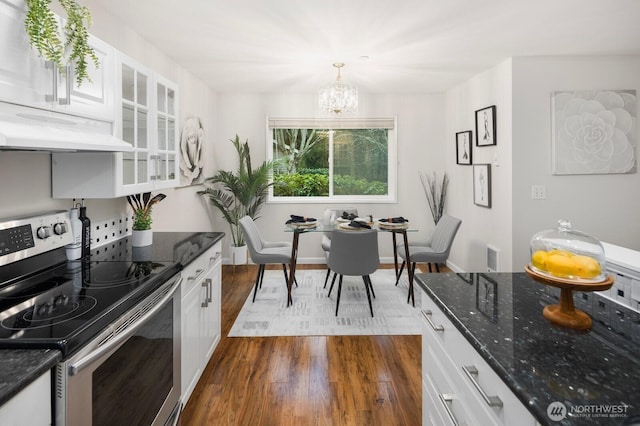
x=481 y=225
x=604 y=206
x=421 y=143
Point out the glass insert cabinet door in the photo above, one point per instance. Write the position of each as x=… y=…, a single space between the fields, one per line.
x=136 y=125
x=165 y=158
x=149 y=123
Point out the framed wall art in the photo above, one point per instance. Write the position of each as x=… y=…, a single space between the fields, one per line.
x=192 y=152
x=594 y=132
x=482 y=185
x=486 y=126
x=463 y=147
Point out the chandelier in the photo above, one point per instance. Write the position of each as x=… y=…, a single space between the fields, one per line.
x=339 y=97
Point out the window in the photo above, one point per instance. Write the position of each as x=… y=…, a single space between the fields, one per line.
x=320 y=160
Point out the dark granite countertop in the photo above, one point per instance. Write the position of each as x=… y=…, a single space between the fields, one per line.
x=20 y=367
x=500 y=314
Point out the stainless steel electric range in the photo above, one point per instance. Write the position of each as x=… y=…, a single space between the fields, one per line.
x=117 y=323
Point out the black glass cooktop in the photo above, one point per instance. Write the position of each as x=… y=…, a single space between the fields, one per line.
x=67 y=305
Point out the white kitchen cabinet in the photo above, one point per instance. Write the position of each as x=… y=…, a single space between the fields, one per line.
x=31 y=406
x=27 y=79
x=459 y=387
x=147 y=118
x=201 y=301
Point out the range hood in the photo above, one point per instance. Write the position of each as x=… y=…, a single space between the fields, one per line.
x=32 y=129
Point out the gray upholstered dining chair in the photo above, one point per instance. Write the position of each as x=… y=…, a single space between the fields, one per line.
x=326 y=237
x=354 y=253
x=434 y=250
x=264 y=252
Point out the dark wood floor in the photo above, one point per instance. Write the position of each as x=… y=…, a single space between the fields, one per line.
x=317 y=380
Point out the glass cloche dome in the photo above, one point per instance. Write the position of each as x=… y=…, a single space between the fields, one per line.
x=567 y=254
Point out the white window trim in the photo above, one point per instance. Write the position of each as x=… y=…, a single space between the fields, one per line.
x=340 y=123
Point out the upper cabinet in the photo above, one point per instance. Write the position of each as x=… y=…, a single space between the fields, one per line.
x=27 y=79
x=146 y=117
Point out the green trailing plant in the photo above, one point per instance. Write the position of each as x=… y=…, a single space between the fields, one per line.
x=47 y=37
x=436 y=192
x=240 y=193
x=142 y=206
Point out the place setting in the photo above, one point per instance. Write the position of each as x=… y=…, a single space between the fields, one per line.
x=301 y=222
x=353 y=222
x=393 y=223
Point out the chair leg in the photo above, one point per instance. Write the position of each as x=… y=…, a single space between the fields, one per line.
x=326 y=279
x=261 y=275
x=437 y=267
x=413 y=272
x=367 y=284
x=339 y=291
x=258 y=281
x=400 y=273
x=367 y=281
x=429 y=267
x=333 y=281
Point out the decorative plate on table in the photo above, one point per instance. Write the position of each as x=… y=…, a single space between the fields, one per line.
x=307 y=224
x=343 y=220
x=390 y=225
x=348 y=227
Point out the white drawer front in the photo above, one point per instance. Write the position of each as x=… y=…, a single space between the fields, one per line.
x=446 y=354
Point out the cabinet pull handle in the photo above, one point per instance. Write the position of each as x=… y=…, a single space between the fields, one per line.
x=446 y=398
x=53 y=97
x=206 y=302
x=471 y=372
x=427 y=315
x=209 y=282
x=68 y=81
x=198 y=273
x=215 y=257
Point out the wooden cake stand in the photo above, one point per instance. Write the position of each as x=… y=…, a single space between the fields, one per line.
x=565 y=313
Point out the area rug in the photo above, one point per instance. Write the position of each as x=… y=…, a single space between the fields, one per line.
x=313 y=313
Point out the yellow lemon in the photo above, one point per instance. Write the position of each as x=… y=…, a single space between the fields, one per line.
x=560 y=253
x=561 y=265
x=587 y=267
x=539 y=259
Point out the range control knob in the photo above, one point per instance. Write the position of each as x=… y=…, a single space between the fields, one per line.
x=43 y=232
x=60 y=228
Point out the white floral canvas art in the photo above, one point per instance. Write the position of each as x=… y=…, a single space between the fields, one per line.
x=594 y=132
x=192 y=152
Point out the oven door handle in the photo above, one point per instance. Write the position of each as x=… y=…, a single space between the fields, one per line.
x=77 y=366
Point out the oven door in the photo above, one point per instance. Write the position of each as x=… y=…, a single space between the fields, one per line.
x=130 y=373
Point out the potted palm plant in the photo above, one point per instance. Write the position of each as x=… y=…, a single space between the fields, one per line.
x=142 y=204
x=239 y=193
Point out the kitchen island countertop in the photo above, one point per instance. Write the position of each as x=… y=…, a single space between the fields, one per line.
x=20 y=367
x=592 y=373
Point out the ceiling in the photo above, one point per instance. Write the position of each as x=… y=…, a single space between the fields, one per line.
x=388 y=46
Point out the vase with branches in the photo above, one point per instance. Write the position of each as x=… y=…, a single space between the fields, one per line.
x=239 y=193
x=436 y=193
